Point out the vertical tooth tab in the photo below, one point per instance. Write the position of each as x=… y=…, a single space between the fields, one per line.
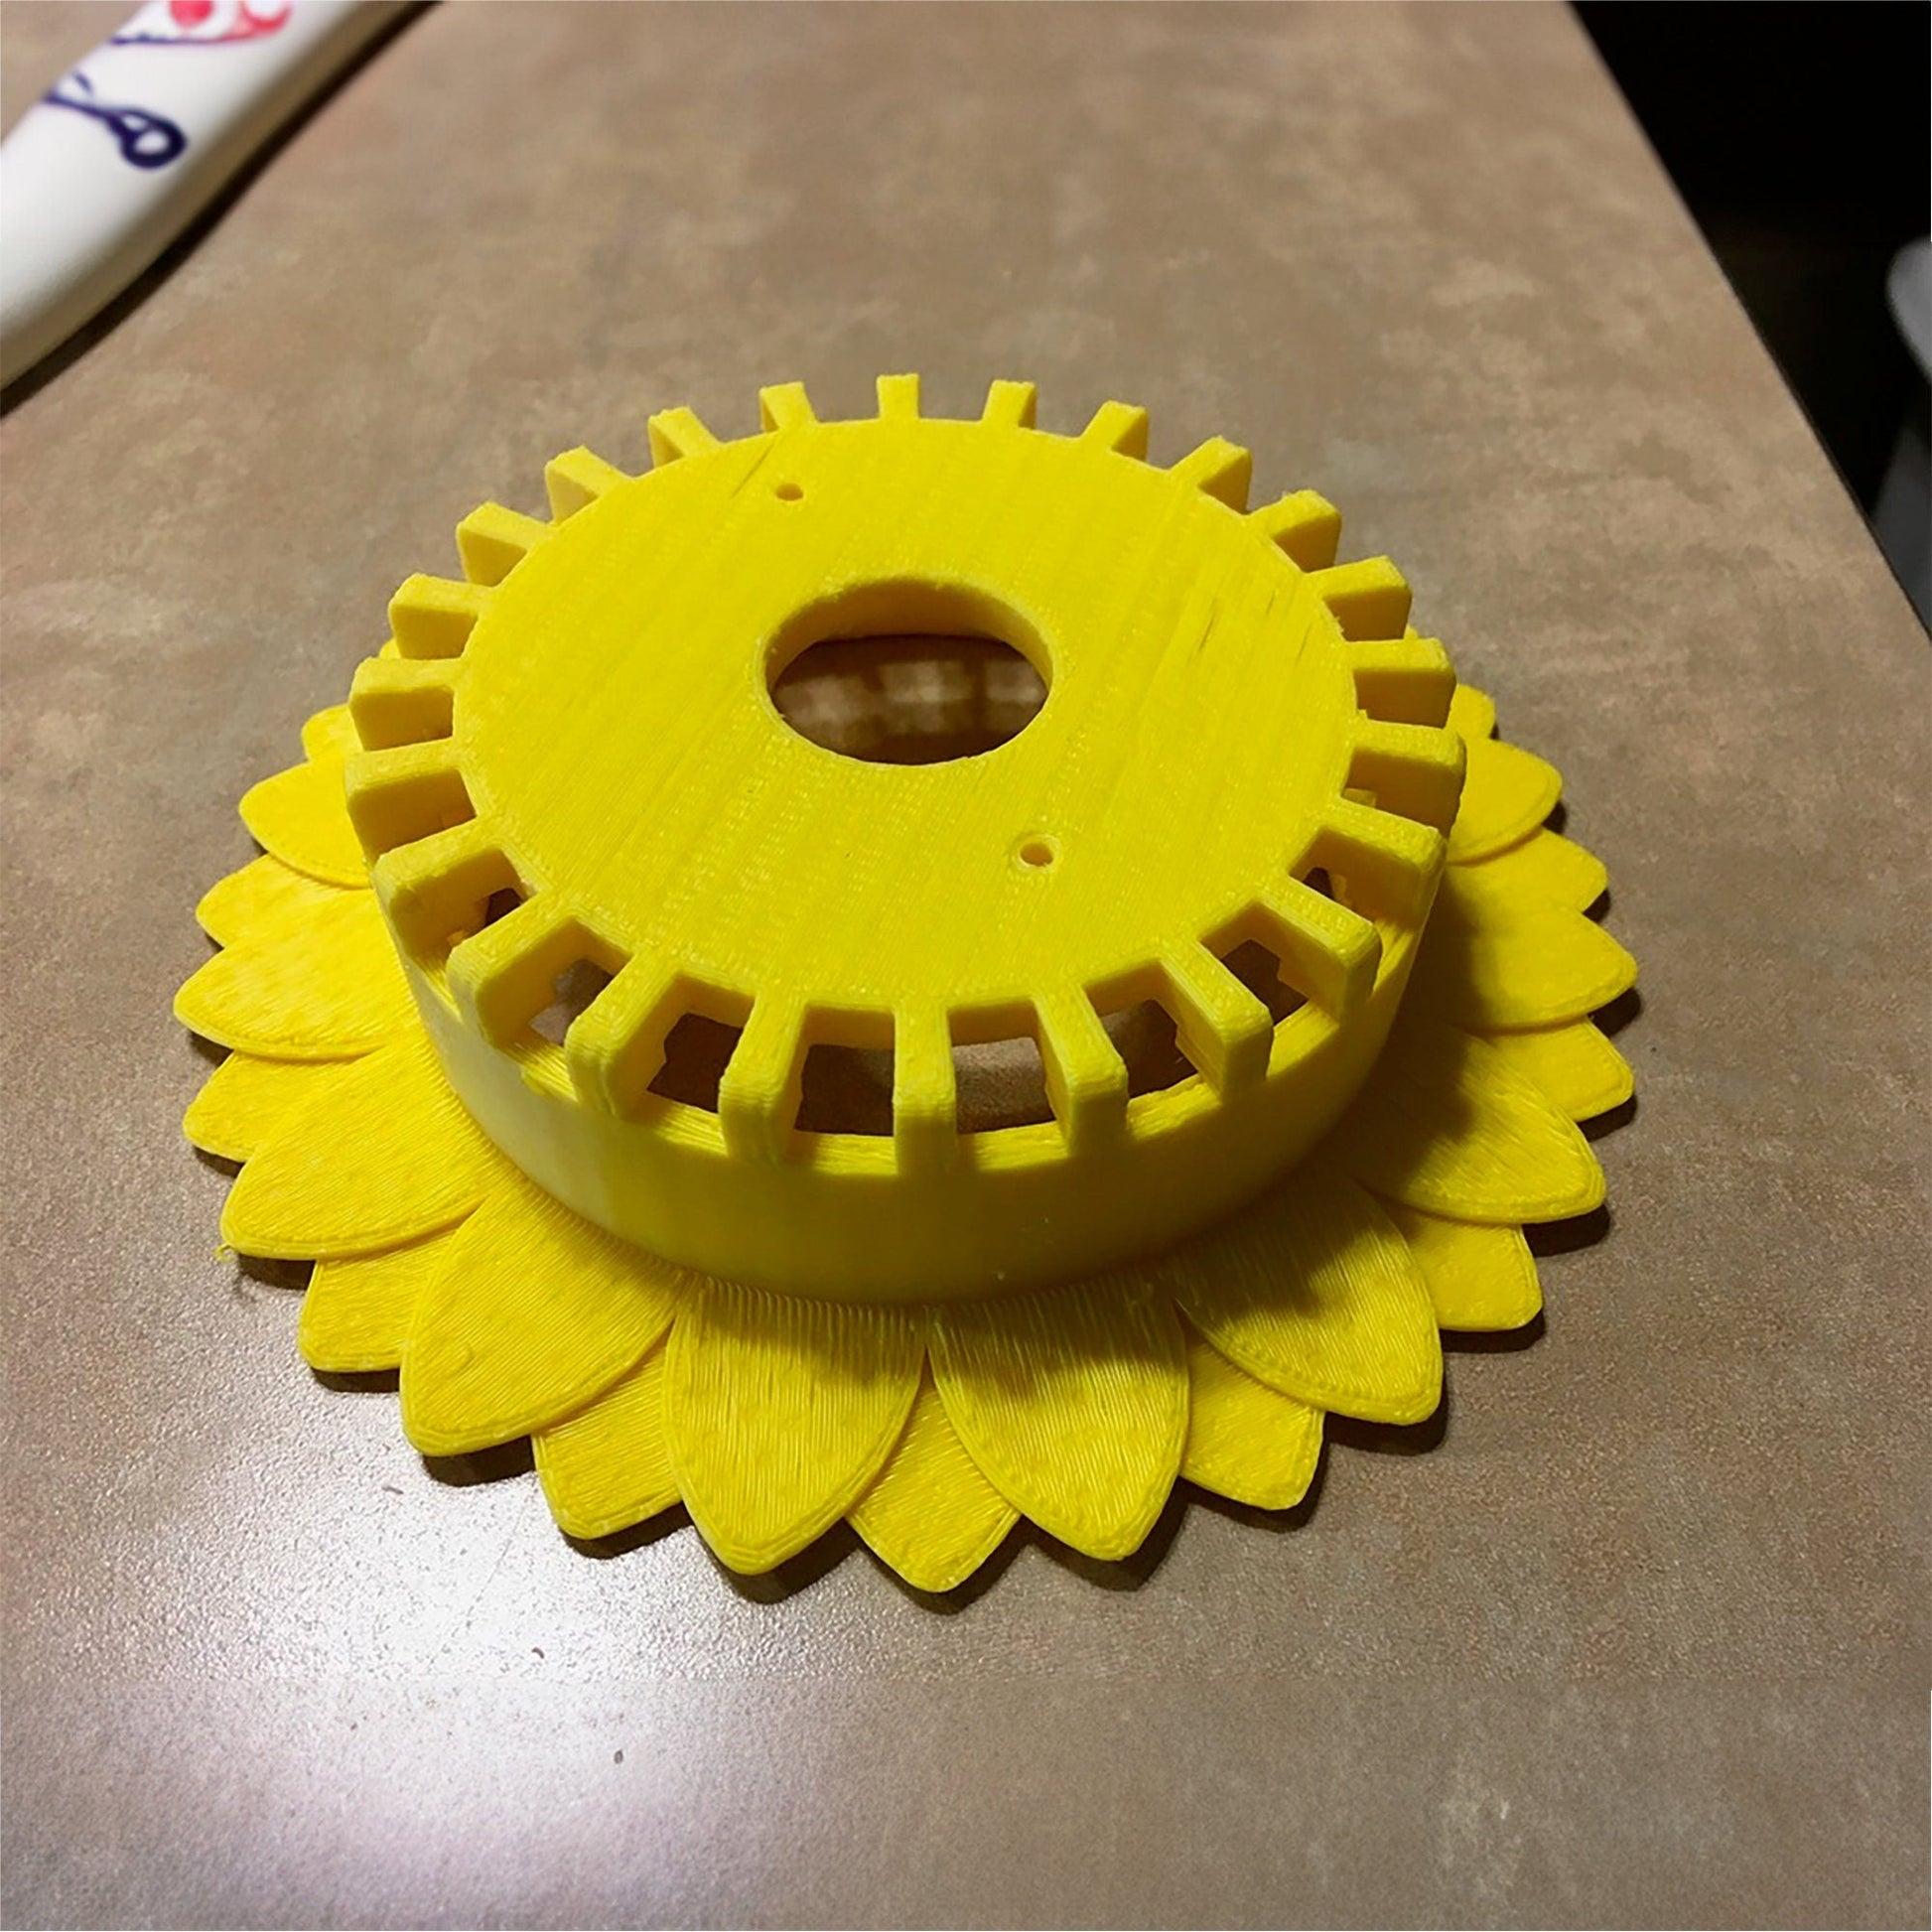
x=1222 y=1028
x=758 y=1098
x=1406 y=680
x=785 y=405
x=1306 y=527
x=432 y=616
x=435 y=889
x=492 y=541
x=926 y=1097
x=1119 y=426
x=576 y=479
x=405 y=793
x=616 y=1044
x=1011 y=405
x=1391 y=864
x=1086 y=1078
x=1414 y=770
x=403 y=700
x=1329 y=954
x=1369 y=598
x=677 y=433
x=506 y=974
x=899 y=397
x=1218 y=469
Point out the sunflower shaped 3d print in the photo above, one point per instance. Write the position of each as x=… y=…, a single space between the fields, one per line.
x=1091 y=1083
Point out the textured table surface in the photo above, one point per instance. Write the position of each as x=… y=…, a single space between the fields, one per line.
x=1640 y=1635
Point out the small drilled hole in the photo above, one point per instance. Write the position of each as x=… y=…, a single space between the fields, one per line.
x=789 y=493
x=1036 y=854
x=696 y=1053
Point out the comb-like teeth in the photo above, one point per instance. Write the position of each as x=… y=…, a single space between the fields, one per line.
x=493 y=540
x=405 y=793
x=785 y=405
x=1086 y=1078
x=757 y=1097
x=677 y=433
x=403 y=700
x=1329 y=954
x=1218 y=469
x=1221 y=1027
x=1304 y=526
x=899 y=397
x=1010 y=405
x=505 y=975
x=615 y=1046
x=432 y=616
x=1405 y=680
x=1119 y=426
x=434 y=891
x=925 y=1093
x=1389 y=864
x=576 y=479
x=1369 y=598
x=1414 y=770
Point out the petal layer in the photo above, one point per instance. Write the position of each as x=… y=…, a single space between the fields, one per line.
x=780 y=1412
x=383 y=1155
x=244 y=1101
x=1246 y=1441
x=1314 y=1291
x=321 y=987
x=329 y=735
x=1073 y=1401
x=299 y=815
x=1446 y=1125
x=533 y=1314
x=357 y=1313
x=1574 y=1065
x=264 y=894
x=1480 y=1278
x=1545 y=868
x=1507 y=793
x=608 y=1467
x=933 y=1516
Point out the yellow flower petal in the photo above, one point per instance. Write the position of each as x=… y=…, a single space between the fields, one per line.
x=264 y=894
x=1473 y=713
x=1507 y=793
x=323 y=987
x=1245 y=1440
x=244 y=1102
x=1478 y=1278
x=1315 y=1292
x=1074 y=1403
x=299 y=816
x=1543 y=867
x=1574 y=1065
x=1446 y=1125
x=357 y=1313
x=384 y=1154
x=329 y=735
x=1488 y=965
x=534 y=1313
x=780 y=1411
x=608 y=1467
x=931 y=1515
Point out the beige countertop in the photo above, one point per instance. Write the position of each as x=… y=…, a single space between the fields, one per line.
x=1640 y=1636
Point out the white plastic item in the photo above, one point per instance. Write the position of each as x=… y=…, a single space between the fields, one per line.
x=125 y=148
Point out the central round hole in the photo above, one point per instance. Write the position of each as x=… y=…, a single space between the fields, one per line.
x=908 y=674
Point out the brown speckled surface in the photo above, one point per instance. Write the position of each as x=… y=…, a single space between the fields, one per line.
x=1641 y=1638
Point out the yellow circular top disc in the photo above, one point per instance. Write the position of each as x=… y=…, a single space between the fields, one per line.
x=574 y=761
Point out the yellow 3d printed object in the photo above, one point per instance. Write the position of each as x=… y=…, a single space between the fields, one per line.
x=629 y=1062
